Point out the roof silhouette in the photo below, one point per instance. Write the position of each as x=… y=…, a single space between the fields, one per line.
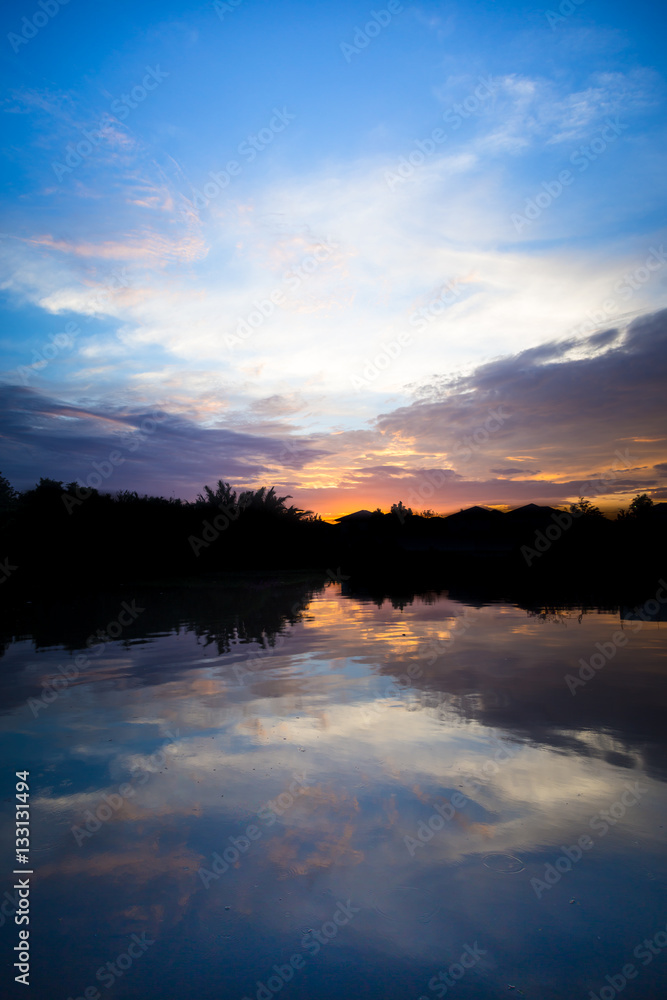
x=531 y=510
x=357 y=515
x=475 y=514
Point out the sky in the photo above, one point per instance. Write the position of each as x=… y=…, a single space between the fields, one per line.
x=363 y=254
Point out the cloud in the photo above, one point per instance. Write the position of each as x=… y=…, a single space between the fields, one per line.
x=190 y=280
x=161 y=452
x=136 y=249
x=510 y=473
x=279 y=405
x=573 y=414
x=535 y=112
x=396 y=250
x=586 y=414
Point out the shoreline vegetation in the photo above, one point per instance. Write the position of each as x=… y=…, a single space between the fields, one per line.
x=79 y=539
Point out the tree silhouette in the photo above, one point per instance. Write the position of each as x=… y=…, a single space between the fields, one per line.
x=127 y=496
x=224 y=497
x=8 y=495
x=584 y=508
x=640 y=507
x=268 y=502
x=68 y=535
x=263 y=500
x=400 y=511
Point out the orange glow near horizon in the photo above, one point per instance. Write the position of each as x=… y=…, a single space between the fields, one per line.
x=610 y=505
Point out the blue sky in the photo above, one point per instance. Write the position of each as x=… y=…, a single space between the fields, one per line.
x=402 y=214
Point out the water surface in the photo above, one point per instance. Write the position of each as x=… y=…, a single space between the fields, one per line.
x=280 y=788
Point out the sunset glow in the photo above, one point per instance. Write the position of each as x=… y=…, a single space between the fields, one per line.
x=376 y=286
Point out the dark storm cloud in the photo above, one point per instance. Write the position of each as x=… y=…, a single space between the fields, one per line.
x=160 y=452
x=565 y=412
x=589 y=413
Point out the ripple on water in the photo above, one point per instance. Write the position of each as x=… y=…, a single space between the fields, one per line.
x=504 y=864
x=289 y=870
